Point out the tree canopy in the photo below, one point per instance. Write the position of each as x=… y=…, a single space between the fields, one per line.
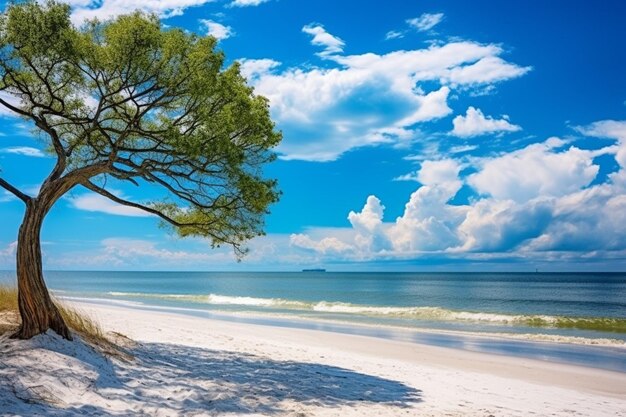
x=129 y=100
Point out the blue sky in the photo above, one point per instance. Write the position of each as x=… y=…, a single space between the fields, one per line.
x=418 y=135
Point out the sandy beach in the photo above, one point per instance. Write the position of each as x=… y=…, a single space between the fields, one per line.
x=191 y=366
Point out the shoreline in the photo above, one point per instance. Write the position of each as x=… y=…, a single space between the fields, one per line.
x=503 y=365
x=604 y=329
x=593 y=353
x=186 y=365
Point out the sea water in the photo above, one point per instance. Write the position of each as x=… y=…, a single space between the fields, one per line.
x=578 y=305
x=575 y=318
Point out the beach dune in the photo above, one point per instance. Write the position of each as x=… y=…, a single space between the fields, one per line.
x=191 y=366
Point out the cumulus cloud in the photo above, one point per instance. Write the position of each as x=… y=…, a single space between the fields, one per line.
x=475 y=123
x=612 y=129
x=109 y=9
x=24 y=151
x=537 y=170
x=428 y=222
x=500 y=225
x=370 y=217
x=368 y=225
x=444 y=172
x=217 y=30
x=534 y=202
x=369 y=99
x=426 y=21
x=331 y=43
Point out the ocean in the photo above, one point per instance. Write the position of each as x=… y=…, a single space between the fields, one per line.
x=575 y=318
x=565 y=305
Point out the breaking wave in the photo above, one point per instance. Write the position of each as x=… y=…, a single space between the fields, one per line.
x=607 y=324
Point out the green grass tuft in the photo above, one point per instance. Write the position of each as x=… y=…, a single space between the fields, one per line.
x=79 y=322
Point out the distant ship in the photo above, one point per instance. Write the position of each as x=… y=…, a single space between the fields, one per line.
x=314 y=270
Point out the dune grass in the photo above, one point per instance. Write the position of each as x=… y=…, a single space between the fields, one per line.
x=8 y=298
x=8 y=309
x=79 y=322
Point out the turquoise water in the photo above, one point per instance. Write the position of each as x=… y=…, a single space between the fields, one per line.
x=561 y=305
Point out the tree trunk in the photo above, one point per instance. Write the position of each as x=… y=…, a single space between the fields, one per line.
x=37 y=310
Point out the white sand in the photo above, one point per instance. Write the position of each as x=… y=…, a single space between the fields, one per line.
x=199 y=367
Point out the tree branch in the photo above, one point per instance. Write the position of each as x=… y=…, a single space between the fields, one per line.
x=14 y=191
x=93 y=187
x=14 y=108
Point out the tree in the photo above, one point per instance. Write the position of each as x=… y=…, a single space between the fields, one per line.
x=127 y=100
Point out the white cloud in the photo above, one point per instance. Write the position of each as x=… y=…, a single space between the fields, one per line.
x=7 y=256
x=365 y=237
x=30 y=190
x=133 y=248
x=324 y=246
x=426 y=21
x=79 y=3
x=24 y=151
x=331 y=43
x=13 y=101
x=9 y=250
x=254 y=68
x=368 y=225
x=411 y=176
x=536 y=203
x=132 y=253
x=6 y=196
x=370 y=217
x=499 y=225
x=534 y=171
x=428 y=223
x=394 y=34
x=246 y=3
x=217 y=30
x=609 y=129
x=489 y=69
x=590 y=220
x=475 y=123
x=442 y=172
x=369 y=98
x=271 y=251
x=98 y=203
x=462 y=148
x=109 y=9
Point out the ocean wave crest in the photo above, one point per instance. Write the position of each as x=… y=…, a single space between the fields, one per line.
x=220 y=299
x=416 y=313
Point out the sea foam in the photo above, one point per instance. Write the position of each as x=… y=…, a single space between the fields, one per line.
x=424 y=313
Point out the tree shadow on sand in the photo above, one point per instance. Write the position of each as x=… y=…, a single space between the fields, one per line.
x=182 y=380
